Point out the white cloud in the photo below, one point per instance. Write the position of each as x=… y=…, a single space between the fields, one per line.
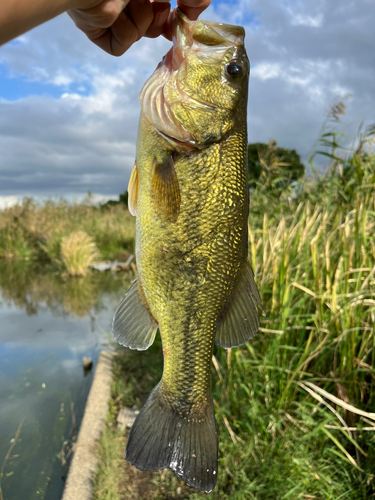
x=107 y=89
x=83 y=138
x=61 y=80
x=306 y=20
x=8 y=201
x=265 y=71
x=95 y=199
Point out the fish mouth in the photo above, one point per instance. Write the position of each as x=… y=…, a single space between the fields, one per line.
x=185 y=33
x=162 y=92
x=204 y=37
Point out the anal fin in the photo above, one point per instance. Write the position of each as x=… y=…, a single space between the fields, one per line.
x=165 y=191
x=133 y=325
x=239 y=321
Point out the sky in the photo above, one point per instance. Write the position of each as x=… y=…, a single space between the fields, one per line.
x=69 y=111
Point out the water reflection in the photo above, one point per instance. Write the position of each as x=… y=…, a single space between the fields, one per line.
x=23 y=286
x=46 y=325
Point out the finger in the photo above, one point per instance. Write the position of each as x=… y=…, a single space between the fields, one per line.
x=117 y=39
x=100 y=16
x=192 y=12
x=193 y=8
x=142 y=15
x=161 y=12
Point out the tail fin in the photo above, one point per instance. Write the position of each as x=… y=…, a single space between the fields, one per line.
x=160 y=439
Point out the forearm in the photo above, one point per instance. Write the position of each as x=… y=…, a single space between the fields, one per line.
x=113 y=25
x=19 y=16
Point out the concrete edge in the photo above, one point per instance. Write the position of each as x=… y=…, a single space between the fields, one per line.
x=79 y=484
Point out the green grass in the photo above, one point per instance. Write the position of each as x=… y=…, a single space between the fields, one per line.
x=110 y=457
x=31 y=231
x=312 y=248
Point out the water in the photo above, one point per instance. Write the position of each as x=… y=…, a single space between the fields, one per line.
x=47 y=324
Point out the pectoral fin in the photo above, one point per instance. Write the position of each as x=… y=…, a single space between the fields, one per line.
x=133 y=325
x=165 y=191
x=239 y=321
x=133 y=190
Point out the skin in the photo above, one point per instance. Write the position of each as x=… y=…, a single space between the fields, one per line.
x=113 y=25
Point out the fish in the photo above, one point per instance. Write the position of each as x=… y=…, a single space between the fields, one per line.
x=189 y=192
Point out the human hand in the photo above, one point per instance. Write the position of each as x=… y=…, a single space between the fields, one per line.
x=114 y=25
x=191 y=8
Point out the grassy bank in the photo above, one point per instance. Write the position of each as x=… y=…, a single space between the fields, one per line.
x=65 y=236
x=295 y=406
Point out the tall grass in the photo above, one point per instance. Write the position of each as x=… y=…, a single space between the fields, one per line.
x=295 y=407
x=31 y=231
x=78 y=252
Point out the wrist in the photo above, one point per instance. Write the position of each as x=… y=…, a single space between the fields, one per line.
x=82 y=4
x=19 y=16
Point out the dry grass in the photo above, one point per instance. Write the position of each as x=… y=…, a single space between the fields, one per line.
x=78 y=252
x=30 y=231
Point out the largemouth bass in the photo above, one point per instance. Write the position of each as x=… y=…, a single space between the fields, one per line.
x=189 y=192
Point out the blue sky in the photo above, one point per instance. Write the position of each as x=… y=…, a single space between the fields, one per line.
x=18 y=86
x=69 y=112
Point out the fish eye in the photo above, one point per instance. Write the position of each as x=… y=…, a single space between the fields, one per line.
x=234 y=69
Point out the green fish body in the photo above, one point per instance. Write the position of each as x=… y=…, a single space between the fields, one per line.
x=189 y=191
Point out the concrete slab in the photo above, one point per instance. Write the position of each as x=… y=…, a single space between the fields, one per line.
x=79 y=483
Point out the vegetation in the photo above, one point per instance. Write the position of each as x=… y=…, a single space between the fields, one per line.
x=78 y=252
x=270 y=165
x=51 y=234
x=295 y=407
x=122 y=200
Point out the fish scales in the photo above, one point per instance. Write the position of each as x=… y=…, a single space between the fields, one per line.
x=189 y=191
x=207 y=244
